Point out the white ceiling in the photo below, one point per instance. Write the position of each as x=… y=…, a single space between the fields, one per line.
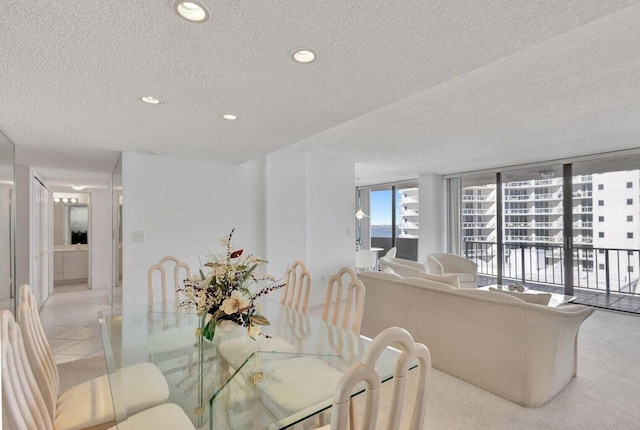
x=402 y=87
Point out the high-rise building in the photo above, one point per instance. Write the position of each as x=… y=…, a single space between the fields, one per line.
x=606 y=227
x=409 y=223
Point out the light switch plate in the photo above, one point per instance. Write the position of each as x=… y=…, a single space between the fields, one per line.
x=137 y=236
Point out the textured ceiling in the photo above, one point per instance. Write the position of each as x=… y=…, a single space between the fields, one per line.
x=402 y=87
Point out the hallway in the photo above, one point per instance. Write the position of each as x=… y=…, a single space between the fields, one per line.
x=70 y=321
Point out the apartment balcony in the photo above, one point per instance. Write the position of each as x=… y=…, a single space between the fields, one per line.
x=517 y=197
x=409 y=213
x=475 y=198
x=519 y=211
x=519 y=184
x=556 y=210
x=548 y=196
x=580 y=194
x=582 y=179
x=583 y=224
x=478 y=212
x=605 y=270
x=518 y=224
x=408 y=225
x=556 y=224
x=583 y=210
x=408 y=200
x=508 y=238
x=583 y=240
x=477 y=225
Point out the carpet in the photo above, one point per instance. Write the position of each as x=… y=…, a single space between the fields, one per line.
x=604 y=394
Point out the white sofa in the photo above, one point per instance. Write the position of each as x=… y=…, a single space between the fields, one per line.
x=451 y=264
x=523 y=352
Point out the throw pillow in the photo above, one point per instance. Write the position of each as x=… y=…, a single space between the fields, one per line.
x=445 y=279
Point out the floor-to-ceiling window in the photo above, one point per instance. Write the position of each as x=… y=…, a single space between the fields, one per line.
x=393 y=218
x=572 y=227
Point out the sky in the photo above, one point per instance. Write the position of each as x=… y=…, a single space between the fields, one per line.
x=381 y=207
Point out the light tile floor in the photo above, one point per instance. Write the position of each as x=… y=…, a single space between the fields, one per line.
x=70 y=321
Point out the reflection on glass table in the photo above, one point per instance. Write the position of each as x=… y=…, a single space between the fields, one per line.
x=234 y=382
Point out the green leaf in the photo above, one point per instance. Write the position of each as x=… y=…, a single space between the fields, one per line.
x=259 y=320
x=209 y=330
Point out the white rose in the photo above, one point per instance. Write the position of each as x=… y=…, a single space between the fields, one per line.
x=233 y=304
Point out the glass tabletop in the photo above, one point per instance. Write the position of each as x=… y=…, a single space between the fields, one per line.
x=234 y=382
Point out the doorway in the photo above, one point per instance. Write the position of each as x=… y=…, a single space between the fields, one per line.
x=71 y=242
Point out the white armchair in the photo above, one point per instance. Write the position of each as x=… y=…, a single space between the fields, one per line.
x=451 y=264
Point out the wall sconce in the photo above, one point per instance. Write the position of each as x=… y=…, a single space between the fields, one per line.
x=360 y=214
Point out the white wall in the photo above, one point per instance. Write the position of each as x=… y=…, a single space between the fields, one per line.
x=286 y=206
x=310 y=215
x=184 y=207
x=432 y=215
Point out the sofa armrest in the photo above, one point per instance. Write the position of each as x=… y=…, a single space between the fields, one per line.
x=434 y=266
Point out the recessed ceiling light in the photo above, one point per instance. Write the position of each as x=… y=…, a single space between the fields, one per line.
x=78 y=187
x=304 y=56
x=65 y=200
x=229 y=117
x=56 y=199
x=191 y=11
x=150 y=100
x=74 y=200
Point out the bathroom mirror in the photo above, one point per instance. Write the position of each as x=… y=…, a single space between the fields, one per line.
x=70 y=219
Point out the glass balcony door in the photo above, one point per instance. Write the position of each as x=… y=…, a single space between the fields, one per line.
x=571 y=228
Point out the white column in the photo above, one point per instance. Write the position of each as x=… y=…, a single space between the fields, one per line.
x=432 y=215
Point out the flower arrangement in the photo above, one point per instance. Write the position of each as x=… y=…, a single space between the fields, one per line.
x=224 y=293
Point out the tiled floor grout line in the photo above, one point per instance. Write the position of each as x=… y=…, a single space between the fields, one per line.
x=70 y=321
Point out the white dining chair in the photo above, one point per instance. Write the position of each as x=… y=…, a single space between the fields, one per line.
x=174 y=328
x=344 y=303
x=24 y=407
x=366 y=372
x=297 y=287
x=87 y=404
x=365 y=260
x=294 y=382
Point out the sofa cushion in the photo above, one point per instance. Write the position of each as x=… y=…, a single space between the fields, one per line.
x=538 y=299
x=452 y=280
x=464 y=277
x=428 y=283
x=490 y=295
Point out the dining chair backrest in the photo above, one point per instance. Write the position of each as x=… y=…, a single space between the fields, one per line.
x=181 y=271
x=366 y=372
x=297 y=286
x=345 y=289
x=22 y=404
x=391 y=253
x=365 y=259
x=38 y=350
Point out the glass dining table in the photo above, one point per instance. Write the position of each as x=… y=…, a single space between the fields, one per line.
x=286 y=376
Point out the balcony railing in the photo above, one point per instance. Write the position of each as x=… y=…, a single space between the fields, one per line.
x=475 y=197
x=602 y=269
x=476 y=212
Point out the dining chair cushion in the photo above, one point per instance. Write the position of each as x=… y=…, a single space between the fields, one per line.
x=234 y=351
x=172 y=339
x=143 y=386
x=164 y=417
x=284 y=395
